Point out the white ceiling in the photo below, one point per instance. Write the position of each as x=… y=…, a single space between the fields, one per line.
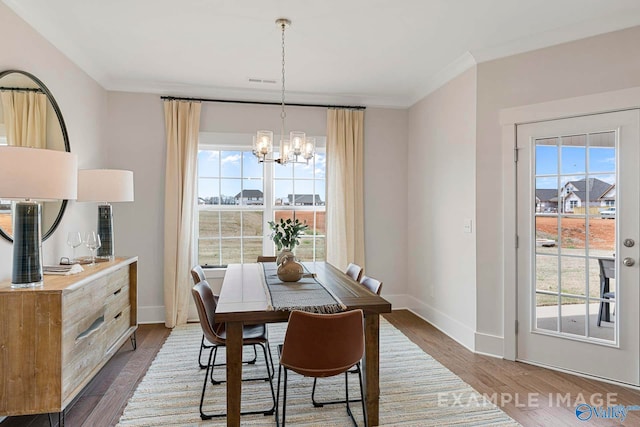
x=368 y=52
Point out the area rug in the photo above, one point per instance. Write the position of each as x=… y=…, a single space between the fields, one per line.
x=415 y=390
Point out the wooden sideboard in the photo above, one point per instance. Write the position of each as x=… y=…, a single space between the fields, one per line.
x=54 y=339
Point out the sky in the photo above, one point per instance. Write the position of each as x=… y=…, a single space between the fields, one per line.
x=571 y=162
x=241 y=170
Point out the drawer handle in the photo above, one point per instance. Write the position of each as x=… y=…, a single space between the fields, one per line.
x=118 y=315
x=94 y=327
x=118 y=291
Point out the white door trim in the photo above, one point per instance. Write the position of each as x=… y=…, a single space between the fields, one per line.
x=604 y=102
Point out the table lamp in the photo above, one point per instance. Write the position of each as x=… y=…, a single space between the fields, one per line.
x=105 y=186
x=26 y=175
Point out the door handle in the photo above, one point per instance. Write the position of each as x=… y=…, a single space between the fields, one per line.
x=628 y=261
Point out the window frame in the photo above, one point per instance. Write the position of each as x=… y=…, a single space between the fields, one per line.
x=238 y=142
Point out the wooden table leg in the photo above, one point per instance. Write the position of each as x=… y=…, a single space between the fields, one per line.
x=372 y=366
x=234 y=372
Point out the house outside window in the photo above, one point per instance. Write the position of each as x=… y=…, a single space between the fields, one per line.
x=237 y=196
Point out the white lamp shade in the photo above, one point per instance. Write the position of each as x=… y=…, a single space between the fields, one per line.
x=38 y=174
x=105 y=185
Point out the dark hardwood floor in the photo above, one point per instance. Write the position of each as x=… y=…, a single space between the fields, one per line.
x=101 y=403
x=531 y=395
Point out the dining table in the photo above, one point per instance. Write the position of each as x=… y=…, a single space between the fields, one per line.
x=245 y=299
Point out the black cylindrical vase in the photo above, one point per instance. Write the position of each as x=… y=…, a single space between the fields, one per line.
x=105 y=231
x=27 y=246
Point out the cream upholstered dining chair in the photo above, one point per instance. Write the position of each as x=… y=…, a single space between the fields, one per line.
x=319 y=346
x=216 y=334
x=374 y=285
x=354 y=271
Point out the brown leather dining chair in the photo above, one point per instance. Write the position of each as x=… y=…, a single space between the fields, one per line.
x=197 y=274
x=215 y=333
x=354 y=271
x=374 y=285
x=266 y=258
x=319 y=346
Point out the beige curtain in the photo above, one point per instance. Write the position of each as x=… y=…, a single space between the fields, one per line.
x=345 y=187
x=25 y=118
x=182 y=123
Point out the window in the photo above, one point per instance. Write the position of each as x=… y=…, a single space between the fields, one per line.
x=238 y=196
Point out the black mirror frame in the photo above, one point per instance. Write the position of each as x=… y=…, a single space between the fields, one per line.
x=65 y=137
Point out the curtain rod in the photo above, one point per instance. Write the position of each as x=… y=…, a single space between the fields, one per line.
x=22 y=89
x=231 y=101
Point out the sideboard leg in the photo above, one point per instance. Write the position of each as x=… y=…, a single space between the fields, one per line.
x=134 y=344
x=60 y=419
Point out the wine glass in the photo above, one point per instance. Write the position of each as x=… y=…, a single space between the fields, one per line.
x=92 y=242
x=74 y=240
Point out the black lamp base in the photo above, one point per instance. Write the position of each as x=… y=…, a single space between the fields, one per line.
x=105 y=231
x=27 y=246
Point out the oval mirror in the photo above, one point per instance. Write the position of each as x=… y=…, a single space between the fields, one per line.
x=30 y=116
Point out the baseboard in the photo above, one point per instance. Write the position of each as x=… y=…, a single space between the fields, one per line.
x=454 y=329
x=151 y=314
x=490 y=345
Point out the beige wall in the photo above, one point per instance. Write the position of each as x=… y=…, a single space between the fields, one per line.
x=441 y=185
x=83 y=105
x=135 y=131
x=603 y=63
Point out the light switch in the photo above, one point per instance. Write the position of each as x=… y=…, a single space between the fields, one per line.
x=467 y=227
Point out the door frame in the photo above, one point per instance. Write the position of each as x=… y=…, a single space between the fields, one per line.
x=606 y=102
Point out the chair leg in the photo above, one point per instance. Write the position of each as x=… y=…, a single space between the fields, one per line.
x=204 y=416
x=202 y=347
x=212 y=365
x=278 y=396
x=255 y=356
x=284 y=398
x=364 y=403
x=346 y=398
x=270 y=379
x=332 y=402
x=209 y=375
x=600 y=313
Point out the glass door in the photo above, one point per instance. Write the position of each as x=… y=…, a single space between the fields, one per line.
x=578 y=186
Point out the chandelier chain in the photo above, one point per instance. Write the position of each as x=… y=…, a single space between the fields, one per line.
x=282 y=113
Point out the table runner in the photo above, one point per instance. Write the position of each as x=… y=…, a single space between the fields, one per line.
x=307 y=294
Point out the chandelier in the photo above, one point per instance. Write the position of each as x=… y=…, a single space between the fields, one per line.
x=299 y=148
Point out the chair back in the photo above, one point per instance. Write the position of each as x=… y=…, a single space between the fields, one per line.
x=372 y=284
x=264 y=258
x=607 y=268
x=354 y=271
x=198 y=274
x=323 y=345
x=206 y=304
